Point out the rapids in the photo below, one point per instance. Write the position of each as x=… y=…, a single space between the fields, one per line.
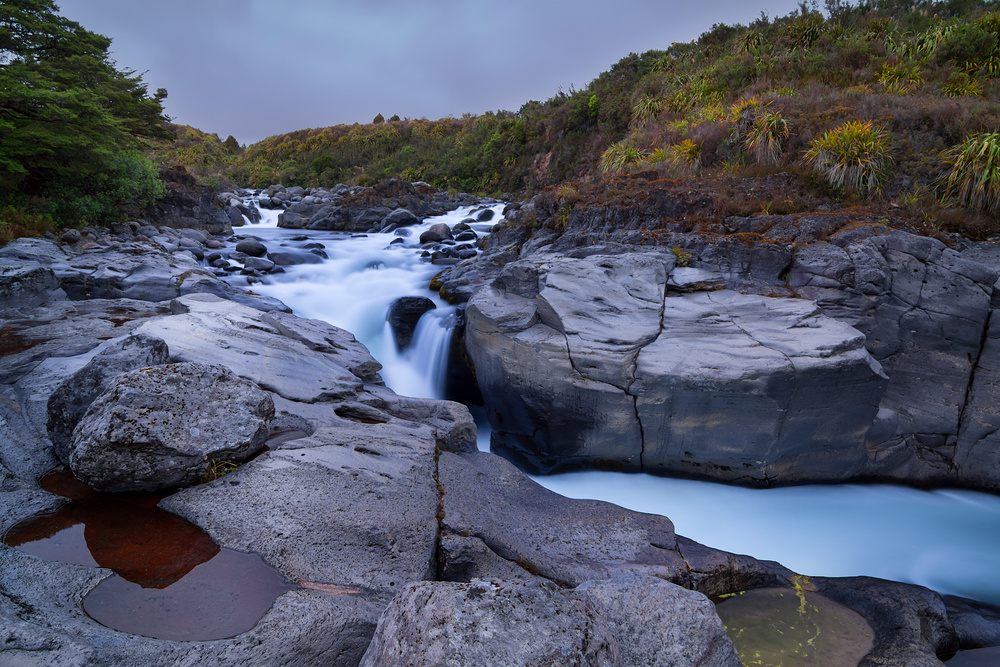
x=947 y=540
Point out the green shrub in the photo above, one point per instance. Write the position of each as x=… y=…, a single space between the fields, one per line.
x=766 y=137
x=974 y=180
x=619 y=157
x=853 y=157
x=647 y=109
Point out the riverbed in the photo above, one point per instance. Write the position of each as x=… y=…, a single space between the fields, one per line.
x=947 y=540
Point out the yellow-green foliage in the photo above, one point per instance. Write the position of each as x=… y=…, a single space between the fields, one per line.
x=685 y=157
x=974 y=180
x=766 y=136
x=619 y=157
x=853 y=157
x=646 y=109
x=900 y=77
x=961 y=84
x=744 y=112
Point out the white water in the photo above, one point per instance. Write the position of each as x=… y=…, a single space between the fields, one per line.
x=947 y=540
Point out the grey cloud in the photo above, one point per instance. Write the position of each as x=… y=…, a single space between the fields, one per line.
x=254 y=68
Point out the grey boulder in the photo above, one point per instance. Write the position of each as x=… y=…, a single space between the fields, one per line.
x=631 y=620
x=70 y=401
x=161 y=427
x=595 y=361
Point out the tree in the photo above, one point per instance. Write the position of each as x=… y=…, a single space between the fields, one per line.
x=71 y=123
x=378 y=119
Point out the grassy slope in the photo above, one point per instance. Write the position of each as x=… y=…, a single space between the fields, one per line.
x=925 y=73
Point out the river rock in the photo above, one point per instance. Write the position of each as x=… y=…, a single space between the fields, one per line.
x=588 y=361
x=26 y=284
x=404 y=313
x=400 y=217
x=162 y=427
x=252 y=247
x=68 y=403
x=437 y=233
x=493 y=622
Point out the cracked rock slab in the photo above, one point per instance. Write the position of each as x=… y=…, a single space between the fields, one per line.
x=631 y=620
x=592 y=362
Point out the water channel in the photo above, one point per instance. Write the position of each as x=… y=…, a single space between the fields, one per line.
x=948 y=540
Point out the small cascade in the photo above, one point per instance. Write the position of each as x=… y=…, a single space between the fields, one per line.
x=819 y=530
x=421 y=369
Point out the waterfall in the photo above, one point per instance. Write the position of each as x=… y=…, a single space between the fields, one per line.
x=421 y=369
x=831 y=530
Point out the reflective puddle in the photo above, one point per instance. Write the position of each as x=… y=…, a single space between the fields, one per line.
x=171 y=580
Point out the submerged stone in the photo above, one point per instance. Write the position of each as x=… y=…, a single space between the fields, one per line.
x=793 y=627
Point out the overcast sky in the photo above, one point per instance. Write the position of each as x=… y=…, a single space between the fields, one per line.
x=255 y=68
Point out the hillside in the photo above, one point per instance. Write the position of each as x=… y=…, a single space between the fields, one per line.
x=914 y=80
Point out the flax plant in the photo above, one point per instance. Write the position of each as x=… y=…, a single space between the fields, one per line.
x=685 y=157
x=766 y=136
x=974 y=180
x=648 y=108
x=619 y=157
x=853 y=157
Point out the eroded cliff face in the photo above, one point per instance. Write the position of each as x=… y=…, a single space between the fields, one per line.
x=602 y=359
x=877 y=360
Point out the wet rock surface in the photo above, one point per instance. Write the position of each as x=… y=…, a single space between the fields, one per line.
x=383 y=492
x=594 y=360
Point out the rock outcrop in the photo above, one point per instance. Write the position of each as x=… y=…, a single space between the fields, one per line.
x=495 y=622
x=164 y=427
x=923 y=308
x=187 y=204
x=595 y=360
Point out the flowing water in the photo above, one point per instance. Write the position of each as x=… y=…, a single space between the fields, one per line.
x=948 y=540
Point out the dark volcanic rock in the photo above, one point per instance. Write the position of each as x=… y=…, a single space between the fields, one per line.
x=252 y=247
x=404 y=313
x=162 y=427
x=631 y=620
x=70 y=401
x=186 y=204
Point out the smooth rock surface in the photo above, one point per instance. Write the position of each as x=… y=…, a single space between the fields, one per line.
x=589 y=361
x=491 y=622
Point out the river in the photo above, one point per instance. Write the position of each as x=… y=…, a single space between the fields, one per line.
x=947 y=540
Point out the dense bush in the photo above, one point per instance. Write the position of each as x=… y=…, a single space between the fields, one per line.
x=71 y=123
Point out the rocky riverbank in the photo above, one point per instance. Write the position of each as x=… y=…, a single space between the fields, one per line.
x=401 y=543
x=838 y=345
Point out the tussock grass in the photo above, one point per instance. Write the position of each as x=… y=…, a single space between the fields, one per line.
x=854 y=157
x=619 y=157
x=766 y=137
x=974 y=180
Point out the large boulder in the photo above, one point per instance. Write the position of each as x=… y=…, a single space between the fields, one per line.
x=70 y=401
x=164 y=426
x=26 y=284
x=631 y=620
x=595 y=361
x=403 y=315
